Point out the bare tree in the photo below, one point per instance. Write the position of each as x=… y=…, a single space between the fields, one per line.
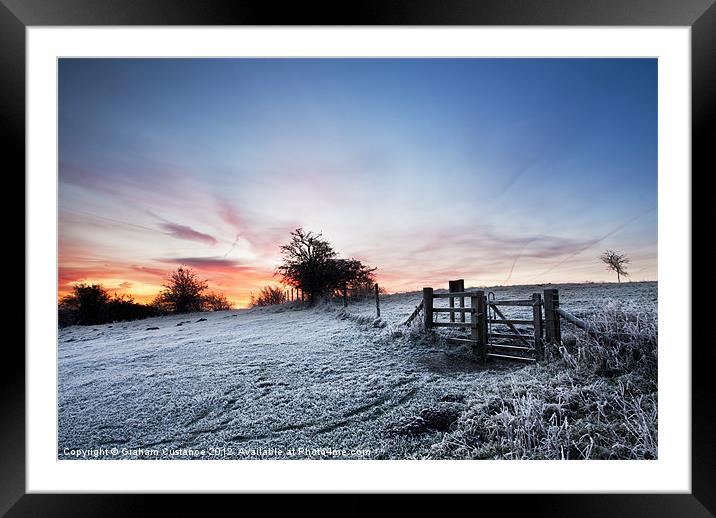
x=616 y=261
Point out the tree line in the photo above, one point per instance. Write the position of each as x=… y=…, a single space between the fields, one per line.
x=310 y=264
x=183 y=292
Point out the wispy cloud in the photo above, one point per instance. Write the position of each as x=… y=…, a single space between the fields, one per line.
x=594 y=242
x=188 y=233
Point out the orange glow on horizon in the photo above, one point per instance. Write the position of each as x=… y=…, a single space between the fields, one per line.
x=144 y=293
x=143 y=283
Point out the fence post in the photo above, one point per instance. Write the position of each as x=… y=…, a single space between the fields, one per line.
x=428 y=308
x=377 y=301
x=474 y=322
x=552 y=329
x=478 y=323
x=537 y=317
x=456 y=286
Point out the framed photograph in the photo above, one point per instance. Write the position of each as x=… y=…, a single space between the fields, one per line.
x=435 y=251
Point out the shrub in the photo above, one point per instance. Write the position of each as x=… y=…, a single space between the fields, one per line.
x=215 y=302
x=87 y=302
x=124 y=308
x=268 y=296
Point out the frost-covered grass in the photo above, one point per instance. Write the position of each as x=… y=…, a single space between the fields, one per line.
x=327 y=378
x=594 y=398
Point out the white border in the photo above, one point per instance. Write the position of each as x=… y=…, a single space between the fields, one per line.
x=670 y=473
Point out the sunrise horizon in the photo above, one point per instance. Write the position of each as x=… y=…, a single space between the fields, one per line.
x=149 y=291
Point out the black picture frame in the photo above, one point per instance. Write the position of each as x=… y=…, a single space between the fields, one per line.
x=700 y=15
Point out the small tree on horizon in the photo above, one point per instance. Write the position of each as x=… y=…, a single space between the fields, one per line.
x=182 y=292
x=617 y=262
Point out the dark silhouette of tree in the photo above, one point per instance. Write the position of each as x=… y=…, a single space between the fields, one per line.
x=268 y=296
x=307 y=263
x=215 y=302
x=616 y=262
x=92 y=305
x=88 y=302
x=182 y=292
x=353 y=275
x=310 y=264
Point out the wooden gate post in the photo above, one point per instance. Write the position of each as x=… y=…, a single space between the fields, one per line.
x=537 y=317
x=475 y=322
x=452 y=287
x=428 y=308
x=553 y=333
x=377 y=301
x=478 y=323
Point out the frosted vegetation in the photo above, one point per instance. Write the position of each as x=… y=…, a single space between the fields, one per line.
x=286 y=377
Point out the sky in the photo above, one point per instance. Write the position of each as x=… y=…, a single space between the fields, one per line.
x=497 y=171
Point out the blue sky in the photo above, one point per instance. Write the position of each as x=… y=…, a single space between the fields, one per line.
x=499 y=171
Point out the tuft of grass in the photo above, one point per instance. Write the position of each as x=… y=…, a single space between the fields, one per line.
x=625 y=340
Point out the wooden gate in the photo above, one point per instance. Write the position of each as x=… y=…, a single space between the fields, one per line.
x=519 y=336
x=495 y=332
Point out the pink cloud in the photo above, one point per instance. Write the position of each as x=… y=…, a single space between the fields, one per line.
x=210 y=264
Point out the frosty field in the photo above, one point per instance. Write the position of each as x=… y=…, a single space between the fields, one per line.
x=247 y=383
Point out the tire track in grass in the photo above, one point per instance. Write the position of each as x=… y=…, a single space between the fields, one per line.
x=376 y=408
